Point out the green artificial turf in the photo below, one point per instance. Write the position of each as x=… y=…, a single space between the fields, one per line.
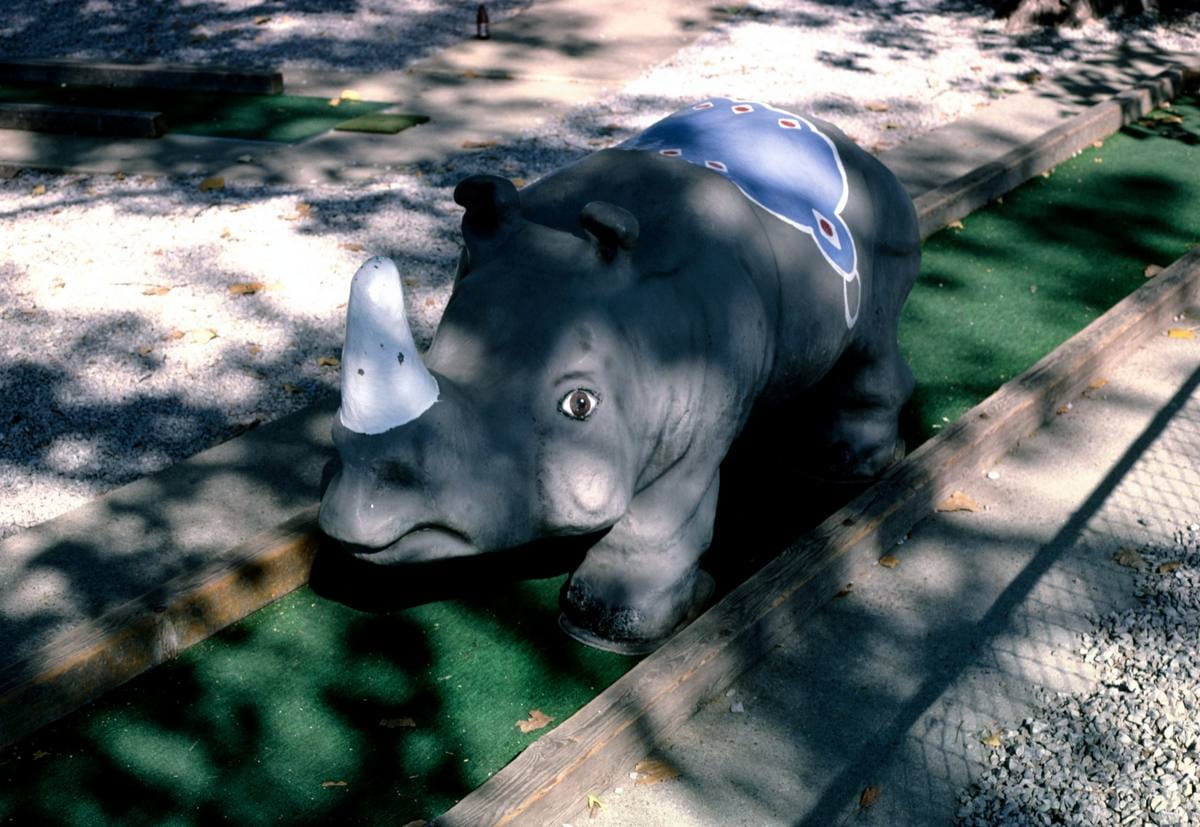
x=278 y=118
x=309 y=710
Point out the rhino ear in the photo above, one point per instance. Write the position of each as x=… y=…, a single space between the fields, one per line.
x=612 y=228
x=493 y=212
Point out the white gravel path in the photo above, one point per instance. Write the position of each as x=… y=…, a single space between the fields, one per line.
x=98 y=387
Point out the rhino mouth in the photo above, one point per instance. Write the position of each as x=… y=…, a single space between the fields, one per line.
x=421 y=543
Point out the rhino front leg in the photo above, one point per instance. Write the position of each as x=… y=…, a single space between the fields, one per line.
x=639 y=583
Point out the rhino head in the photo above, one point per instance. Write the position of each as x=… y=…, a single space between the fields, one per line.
x=518 y=423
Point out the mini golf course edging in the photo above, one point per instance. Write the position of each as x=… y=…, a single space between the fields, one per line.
x=658 y=694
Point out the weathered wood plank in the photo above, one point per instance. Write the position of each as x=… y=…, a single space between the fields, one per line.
x=141 y=76
x=967 y=193
x=84 y=663
x=81 y=120
x=549 y=781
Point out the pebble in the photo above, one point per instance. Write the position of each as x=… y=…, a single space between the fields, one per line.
x=1125 y=753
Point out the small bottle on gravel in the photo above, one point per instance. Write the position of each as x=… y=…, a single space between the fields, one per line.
x=482 y=24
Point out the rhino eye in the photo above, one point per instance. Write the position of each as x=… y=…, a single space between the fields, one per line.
x=579 y=403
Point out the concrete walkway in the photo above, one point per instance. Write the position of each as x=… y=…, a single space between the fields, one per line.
x=895 y=685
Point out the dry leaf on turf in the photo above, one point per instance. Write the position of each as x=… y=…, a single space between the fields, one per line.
x=845 y=590
x=328 y=784
x=1152 y=270
x=329 y=361
x=992 y=740
x=350 y=95
x=652 y=771
x=1129 y=558
x=1181 y=333
x=594 y=804
x=246 y=288
x=868 y=796
x=397 y=723
x=352 y=246
x=201 y=336
x=145 y=350
x=889 y=561
x=262 y=20
x=1167 y=568
x=536 y=720
x=1064 y=409
x=213 y=182
x=40 y=189
x=156 y=290
x=955 y=225
x=876 y=106
x=1097 y=383
x=958 y=501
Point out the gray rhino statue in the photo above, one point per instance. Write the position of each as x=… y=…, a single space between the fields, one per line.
x=611 y=330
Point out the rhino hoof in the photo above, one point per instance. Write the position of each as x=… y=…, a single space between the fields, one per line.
x=608 y=637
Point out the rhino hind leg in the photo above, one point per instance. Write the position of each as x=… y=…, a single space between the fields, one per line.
x=642 y=581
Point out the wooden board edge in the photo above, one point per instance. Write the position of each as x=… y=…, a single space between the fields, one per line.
x=549 y=781
x=961 y=196
x=81 y=120
x=143 y=76
x=83 y=663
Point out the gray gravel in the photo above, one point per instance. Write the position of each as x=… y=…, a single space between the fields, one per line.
x=1127 y=752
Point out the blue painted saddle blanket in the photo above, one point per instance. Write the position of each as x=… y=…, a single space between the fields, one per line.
x=779 y=160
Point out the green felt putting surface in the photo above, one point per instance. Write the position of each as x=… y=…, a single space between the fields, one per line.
x=309 y=710
x=278 y=118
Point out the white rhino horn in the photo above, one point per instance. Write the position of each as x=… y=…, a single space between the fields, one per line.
x=384 y=382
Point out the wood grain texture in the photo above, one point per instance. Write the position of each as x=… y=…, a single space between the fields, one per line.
x=83 y=663
x=82 y=120
x=549 y=782
x=141 y=76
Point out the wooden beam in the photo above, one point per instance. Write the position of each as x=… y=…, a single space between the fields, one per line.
x=83 y=663
x=81 y=120
x=967 y=193
x=549 y=781
x=141 y=76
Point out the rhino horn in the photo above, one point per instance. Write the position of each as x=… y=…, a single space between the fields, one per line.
x=384 y=381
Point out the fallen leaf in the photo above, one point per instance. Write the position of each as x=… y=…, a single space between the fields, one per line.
x=176 y=334
x=1152 y=270
x=1097 y=383
x=955 y=225
x=889 y=561
x=303 y=210
x=653 y=771
x=1181 y=333
x=262 y=20
x=118 y=176
x=958 y=501
x=156 y=290
x=352 y=246
x=1129 y=558
x=329 y=361
x=246 y=288
x=845 y=590
x=876 y=106
x=868 y=796
x=1167 y=568
x=410 y=282
x=1064 y=409
x=397 y=723
x=429 y=302
x=290 y=388
x=477 y=144
x=518 y=182
x=328 y=784
x=536 y=720
x=213 y=182
x=40 y=189
x=254 y=349
x=1097 y=144
x=202 y=335
x=594 y=804
x=993 y=740
x=350 y=95
x=1032 y=76
x=145 y=350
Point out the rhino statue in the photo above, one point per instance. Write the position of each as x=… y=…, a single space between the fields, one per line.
x=611 y=330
